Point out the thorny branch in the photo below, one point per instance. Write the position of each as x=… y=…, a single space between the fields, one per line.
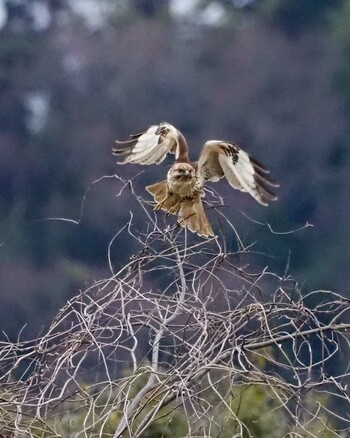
x=183 y=326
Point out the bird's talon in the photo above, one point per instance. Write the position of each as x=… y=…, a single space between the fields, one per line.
x=173 y=209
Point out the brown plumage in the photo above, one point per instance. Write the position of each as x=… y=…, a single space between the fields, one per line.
x=181 y=192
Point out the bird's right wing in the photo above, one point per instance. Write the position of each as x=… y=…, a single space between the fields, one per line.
x=150 y=146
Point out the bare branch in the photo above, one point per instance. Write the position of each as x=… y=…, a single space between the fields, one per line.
x=181 y=333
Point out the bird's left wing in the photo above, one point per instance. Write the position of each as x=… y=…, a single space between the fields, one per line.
x=150 y=146
x=219 y=158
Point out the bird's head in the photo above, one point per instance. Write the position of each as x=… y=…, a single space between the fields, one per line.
x=182 y=171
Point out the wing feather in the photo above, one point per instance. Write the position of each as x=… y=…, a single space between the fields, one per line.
x=150 y=146
x=242 y=172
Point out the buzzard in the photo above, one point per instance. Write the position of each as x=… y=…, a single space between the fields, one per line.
x=182 y=191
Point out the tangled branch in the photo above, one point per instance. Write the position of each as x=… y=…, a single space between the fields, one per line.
x=178 y=335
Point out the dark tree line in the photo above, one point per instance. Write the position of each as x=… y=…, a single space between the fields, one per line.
x=273 y=76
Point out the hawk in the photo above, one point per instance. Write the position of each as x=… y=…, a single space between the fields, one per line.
x=182 y=191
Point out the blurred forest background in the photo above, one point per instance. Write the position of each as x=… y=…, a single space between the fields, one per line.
x=271 y=75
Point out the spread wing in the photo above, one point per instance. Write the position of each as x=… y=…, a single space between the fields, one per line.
x=219 y=159
x=150 y=146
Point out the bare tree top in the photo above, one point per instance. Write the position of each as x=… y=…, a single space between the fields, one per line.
x=180 y=332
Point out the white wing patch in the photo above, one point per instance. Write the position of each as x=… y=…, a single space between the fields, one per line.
x=219 y=158
x=149 y=147
x=242 y=170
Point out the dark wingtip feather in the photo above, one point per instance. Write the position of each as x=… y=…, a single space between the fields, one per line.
x=264 y=185
x=266 y=196
x=127 y=149
x=123 y=154
x=257 y=165
x=265 y=199
x=261 y=174
x=119 y=151
x=264 y=181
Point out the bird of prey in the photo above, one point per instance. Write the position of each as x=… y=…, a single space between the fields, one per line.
x=182 y=191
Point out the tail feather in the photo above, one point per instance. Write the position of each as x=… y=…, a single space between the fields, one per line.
x=165 y=201
x=158 y=190
x=191 y=212
x=192 y=216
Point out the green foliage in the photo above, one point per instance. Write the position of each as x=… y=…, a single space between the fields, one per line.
x=259 y=411
x=251 y=410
